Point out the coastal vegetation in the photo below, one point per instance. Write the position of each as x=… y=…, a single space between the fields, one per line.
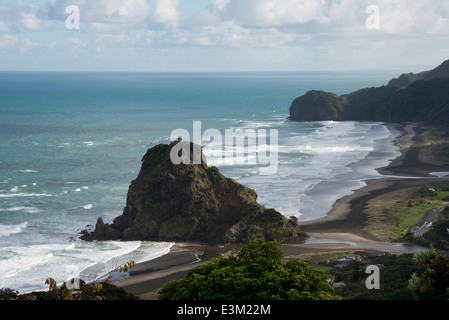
x=392 y=216
x=406 y=276
x=395 y=272
x=433 y=281
x=413 y=98
x=255 y=272
x=407 y=79
x=261 y=272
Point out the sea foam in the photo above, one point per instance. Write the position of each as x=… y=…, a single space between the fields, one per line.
x=16 y=195
x=7 y=230
x=318 y=153
x=22 y=267
x=21 y=208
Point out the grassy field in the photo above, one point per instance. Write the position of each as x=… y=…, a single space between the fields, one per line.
x=319 y=260
x=392 y=215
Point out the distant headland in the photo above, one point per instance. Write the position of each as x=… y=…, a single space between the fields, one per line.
x=421 y=97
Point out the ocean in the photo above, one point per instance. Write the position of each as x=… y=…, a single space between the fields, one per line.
x=71 y=143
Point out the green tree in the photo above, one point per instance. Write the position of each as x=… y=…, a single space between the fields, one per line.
x=433 y=283
x=254 y=273
x=358 y=271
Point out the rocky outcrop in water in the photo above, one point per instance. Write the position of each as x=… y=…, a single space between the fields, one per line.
x=192 y=202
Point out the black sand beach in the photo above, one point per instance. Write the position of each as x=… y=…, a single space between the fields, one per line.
x=344 y=222
x=145 y=278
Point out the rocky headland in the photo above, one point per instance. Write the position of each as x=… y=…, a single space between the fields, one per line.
x=421 y=97
x=194 y=203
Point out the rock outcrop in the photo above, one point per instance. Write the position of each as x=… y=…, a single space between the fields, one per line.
x=192 y=202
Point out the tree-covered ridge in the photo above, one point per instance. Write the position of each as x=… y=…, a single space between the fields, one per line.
x=317 y=105
x=407 y=79
x=424 y=99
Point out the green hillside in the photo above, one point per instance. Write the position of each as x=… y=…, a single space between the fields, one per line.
x=423 y=97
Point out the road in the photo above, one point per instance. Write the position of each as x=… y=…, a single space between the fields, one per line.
x=427 y=221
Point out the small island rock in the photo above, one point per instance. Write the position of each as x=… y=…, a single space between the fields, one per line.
x=192 y=202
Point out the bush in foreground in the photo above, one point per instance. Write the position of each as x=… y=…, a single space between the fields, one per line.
x=254 y=273
x=433 y=283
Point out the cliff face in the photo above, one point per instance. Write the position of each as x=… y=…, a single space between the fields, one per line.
x=192 y=202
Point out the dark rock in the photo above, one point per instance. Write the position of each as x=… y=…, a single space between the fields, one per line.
x=102 y=232
x=192 y=202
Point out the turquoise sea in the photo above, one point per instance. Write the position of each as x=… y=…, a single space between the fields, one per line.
x=71 y=143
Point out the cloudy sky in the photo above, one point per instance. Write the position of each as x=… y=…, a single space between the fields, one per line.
x=222 y=35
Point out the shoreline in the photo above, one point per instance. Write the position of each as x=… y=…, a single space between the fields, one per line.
x=347 y=183
x=406 y=171
x=146 y=278
x=343 y=222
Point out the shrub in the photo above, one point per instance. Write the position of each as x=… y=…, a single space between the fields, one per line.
x=254 y=273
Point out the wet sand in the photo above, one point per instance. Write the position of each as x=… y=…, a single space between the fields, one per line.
x=407 y=171
x=147 y=277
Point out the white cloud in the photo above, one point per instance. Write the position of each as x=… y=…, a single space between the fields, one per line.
x=138 y=38
x=264 y=13
x=220 y=4
x=29 y=21
x=27 y=45
x=102 y=11
x=116 y=11
x=7 y=41
x=398 y=17
x=406 y=17
x=76 y=43
x=19 y=17
x=293 y=32
x=165 y=11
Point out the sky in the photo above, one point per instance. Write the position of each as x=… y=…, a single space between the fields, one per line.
x=223 y=35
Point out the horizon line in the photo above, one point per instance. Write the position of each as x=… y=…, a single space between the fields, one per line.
x=385 y=69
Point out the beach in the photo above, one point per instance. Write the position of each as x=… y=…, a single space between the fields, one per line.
x=72 y=178
x=344 y=223
x=147 y=277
